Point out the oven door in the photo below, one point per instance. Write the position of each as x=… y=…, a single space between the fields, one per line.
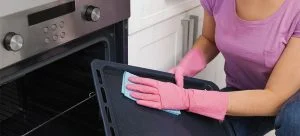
x=53 y=93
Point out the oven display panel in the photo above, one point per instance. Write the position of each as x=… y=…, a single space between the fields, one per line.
x=51 y=13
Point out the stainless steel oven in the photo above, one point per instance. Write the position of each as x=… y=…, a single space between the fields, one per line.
x=46 y=86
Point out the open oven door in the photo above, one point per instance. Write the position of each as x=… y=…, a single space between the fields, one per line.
x=123 y=117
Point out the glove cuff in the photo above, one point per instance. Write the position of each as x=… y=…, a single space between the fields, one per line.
x=212 y=104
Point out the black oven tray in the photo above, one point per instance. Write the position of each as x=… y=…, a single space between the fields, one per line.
x=123 y=117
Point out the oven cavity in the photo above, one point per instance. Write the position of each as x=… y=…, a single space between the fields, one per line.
x=55 y=98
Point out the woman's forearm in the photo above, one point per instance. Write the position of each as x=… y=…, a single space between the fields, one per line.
x=208 y=48
x=206 y=42
x=253 y=103
x=283 y=83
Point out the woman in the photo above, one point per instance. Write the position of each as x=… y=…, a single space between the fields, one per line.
x=260 y=41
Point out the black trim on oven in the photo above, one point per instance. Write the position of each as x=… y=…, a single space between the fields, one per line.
x=121 y=30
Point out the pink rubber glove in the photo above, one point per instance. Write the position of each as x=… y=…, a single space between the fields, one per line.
x=168 y=96
x=192 y=63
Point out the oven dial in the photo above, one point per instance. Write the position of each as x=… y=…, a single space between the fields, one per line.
x=13 y=41
x=92 y=13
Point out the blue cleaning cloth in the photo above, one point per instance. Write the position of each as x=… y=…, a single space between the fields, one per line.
x=126 y=92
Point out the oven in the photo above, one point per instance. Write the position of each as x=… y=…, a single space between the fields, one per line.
x=46 y=85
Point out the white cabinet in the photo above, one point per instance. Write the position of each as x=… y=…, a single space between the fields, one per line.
x=156 y=32
x=160 y=46
x=157 y=47
x=146 y=13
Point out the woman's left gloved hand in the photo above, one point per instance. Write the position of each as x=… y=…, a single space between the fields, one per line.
x=168 y=96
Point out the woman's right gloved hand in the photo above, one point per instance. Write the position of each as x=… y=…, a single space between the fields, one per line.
x=168 y=96
x=191 y=64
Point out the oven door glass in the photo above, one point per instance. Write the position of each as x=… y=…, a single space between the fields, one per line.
x=57 y=99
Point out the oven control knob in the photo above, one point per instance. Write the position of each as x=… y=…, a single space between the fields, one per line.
x=92 y=13
x=13 y=41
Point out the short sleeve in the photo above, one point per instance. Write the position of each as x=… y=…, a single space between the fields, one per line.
x=297 y=30
x=208 y=5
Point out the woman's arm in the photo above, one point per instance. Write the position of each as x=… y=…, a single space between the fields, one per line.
x=282 y=84
x=206 y=42
x=203 y=52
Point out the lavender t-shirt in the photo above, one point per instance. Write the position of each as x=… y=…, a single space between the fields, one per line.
x=252 y=48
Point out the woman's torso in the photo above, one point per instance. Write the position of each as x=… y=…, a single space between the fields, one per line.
x=252 y=48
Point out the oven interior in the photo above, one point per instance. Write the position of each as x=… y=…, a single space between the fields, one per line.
x=57 y=99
